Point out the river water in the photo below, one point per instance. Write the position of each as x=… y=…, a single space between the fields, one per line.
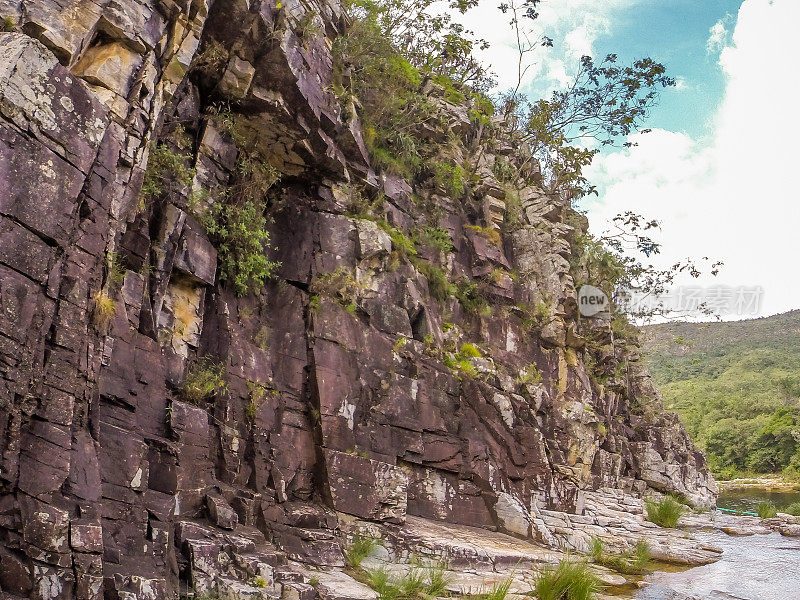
x=756 y=567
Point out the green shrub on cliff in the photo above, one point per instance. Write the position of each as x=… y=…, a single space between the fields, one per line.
x=205 y=379
x=240 y=234
x=665 y=512
x=570 y=580
x=439 y=286
x=166 y=171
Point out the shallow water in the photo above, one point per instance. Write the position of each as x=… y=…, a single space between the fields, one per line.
x=748 y=498
x=756 y=567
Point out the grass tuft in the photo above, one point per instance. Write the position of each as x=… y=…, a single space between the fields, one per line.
x=664 y=513
x=633 y=562
x=793 y=509
x=568 y=581
x=359 y=549
x=104 y=308
x=766 y=510
x=206 y=378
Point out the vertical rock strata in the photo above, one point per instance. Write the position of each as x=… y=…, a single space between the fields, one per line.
x=113 y=484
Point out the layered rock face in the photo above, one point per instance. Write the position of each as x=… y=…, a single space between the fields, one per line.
x=347 y=387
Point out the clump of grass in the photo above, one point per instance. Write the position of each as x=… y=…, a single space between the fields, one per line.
x=468 y=350
x=449 y=178
x=497 y=591
x=439 y=286
x=340 y=285
x=8 y=25
x=418 y=583
x=471 y=298
x=206 y=378
x=437 y=238
x=530 y=375
x=104 y=308
x=568 y=581
x=438 y=579
x=166 y=170
x=633 y=562
x=793 y=509
x=116 y=267
x=766 y=510
x=400 y=241
x=257 y=392
x=664 y=513
x=259 y=582
x=489 y=233
x=359 y=549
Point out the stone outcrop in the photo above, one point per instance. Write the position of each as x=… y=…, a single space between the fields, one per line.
x=115 y=483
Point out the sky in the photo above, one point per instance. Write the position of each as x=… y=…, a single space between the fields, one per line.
x=717 y=168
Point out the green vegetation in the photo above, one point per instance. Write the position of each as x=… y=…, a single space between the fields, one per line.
x=8 y=25
x=341 y=285
x=468 y=350
x=418 y=583
x=665 y=512
x=470 y=296
x=499 y=590
x=439 y=286
x=450 y=178
x=241 y=237
x=104 y=308
x=530 y=375
x=766 y=510
x=632 y=562
x=490 y=234
x=379 y=64
x=568 y=581
x=437 y=238
x=257 y=393
x=166 y=171
x=793 y=509
x=116 y=267
x=736 y=387
x=205 y=379
x=400 y=242
x=236 y=223
x=359 y=549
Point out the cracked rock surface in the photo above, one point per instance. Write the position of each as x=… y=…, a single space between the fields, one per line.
x=335 y=415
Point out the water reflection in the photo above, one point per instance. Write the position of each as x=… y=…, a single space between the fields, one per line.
x=748 y=498
x=758 y=567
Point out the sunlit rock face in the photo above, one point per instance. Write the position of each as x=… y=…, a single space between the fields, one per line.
x=113 y=483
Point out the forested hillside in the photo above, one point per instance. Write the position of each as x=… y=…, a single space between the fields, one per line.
x=737 y=388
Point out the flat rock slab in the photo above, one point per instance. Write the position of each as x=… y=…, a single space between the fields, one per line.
x=470 y=546
x=335 y=585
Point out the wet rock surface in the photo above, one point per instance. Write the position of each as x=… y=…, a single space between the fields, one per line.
x=114 y=483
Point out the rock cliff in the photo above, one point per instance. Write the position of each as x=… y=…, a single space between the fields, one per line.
x=163 y=432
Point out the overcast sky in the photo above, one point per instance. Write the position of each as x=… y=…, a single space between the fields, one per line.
x=719 y=168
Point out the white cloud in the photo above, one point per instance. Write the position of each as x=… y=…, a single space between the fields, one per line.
x=733 y=198
x=575 y=25
x=717 y=38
